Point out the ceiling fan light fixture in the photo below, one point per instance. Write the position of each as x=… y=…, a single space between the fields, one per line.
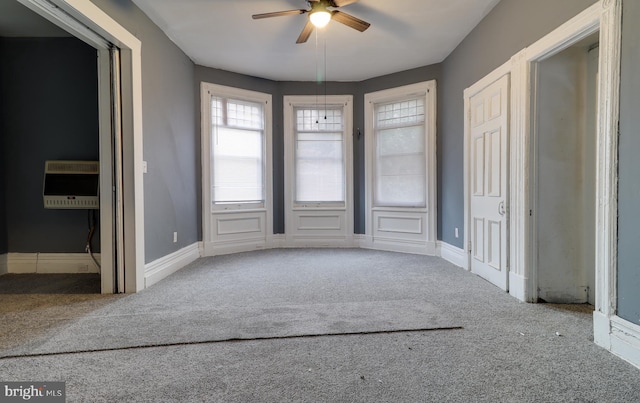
x=320 y=18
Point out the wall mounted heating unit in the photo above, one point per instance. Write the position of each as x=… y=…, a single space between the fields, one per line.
x=71 y=185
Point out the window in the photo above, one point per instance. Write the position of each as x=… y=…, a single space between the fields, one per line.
x=237 y=151
x=237 y=207
x=319 y=155
x=400 y=170
x=318 y=172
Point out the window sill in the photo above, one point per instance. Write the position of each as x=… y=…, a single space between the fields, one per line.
x=237 y=209
x=316 y=207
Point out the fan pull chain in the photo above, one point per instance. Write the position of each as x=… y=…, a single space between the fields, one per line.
x=324 y=37
x=317 y=71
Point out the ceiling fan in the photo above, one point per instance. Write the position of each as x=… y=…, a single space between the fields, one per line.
x=320 y=15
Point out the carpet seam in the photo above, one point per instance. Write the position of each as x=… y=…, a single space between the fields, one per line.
x=230 y=340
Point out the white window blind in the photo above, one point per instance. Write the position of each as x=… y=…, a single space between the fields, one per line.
x=319 y=155
x=237 y=150
x=400 y=167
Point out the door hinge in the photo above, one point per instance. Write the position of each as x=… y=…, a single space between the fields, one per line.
x=469 y=246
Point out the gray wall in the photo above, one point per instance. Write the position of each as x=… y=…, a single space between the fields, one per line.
x=172 y=190
x=49 y=111
x=279 y=89
x=510 y=26
x=629 y=167
x=170 y=141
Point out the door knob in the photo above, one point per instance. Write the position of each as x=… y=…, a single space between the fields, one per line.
x=501 y=209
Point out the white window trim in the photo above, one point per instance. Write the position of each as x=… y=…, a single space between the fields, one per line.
x=208 y=209
x=289 y=104
x=428 y=90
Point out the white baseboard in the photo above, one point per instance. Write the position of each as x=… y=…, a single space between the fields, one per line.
x=319 y=241
x=51 y=263
x=3 y=264
x=233 y=246
x=163 y=267
x=395 y=245
x=518 y=287
x=617 y=335
x=625 y=340
x=201 y=248
x=277 y=241
x=454 y=255
x=601 y=330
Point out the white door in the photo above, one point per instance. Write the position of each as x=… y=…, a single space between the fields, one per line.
x=488 y=182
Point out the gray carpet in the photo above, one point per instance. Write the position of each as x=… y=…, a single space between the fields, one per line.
x=254 y=296
x=506 y=351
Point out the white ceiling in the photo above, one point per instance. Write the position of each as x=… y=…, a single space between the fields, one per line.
x=404 y=34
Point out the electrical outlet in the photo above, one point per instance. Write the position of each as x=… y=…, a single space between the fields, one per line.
x=456 y=231
x=83 y=268
x=175 y=237
x=144 y=167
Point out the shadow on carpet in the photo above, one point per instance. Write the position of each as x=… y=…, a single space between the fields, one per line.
x=36 y=283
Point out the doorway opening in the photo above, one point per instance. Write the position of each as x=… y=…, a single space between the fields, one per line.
x=564 y=143
x=120 y=136
x=50 y=139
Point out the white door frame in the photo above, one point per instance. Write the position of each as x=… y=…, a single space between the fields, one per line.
x=90 y=24
x=617 y=335
x=523 y=276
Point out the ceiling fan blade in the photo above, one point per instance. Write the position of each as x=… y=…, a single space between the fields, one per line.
x=278 y=14
x=306 y=32
x=350 y=21
x=342 y=3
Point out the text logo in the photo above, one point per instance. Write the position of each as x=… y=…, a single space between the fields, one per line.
x=41 y=392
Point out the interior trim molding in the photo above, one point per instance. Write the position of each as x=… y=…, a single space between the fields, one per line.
x=625 y=340
x=89 y=23
x=518 y=285
x=276 y=241
x=521 y=167
x=169 y=264
x=320 y=241
x=427 y=248
x=453 y=254
x=406 y=229
x=611 y=332
x=313 y=224
x=3 y=264
x=223 y=231
x=49 y=263
x=228 y=247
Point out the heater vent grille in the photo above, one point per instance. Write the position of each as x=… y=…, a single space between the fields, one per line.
x=72 y=167
x=71 y=185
